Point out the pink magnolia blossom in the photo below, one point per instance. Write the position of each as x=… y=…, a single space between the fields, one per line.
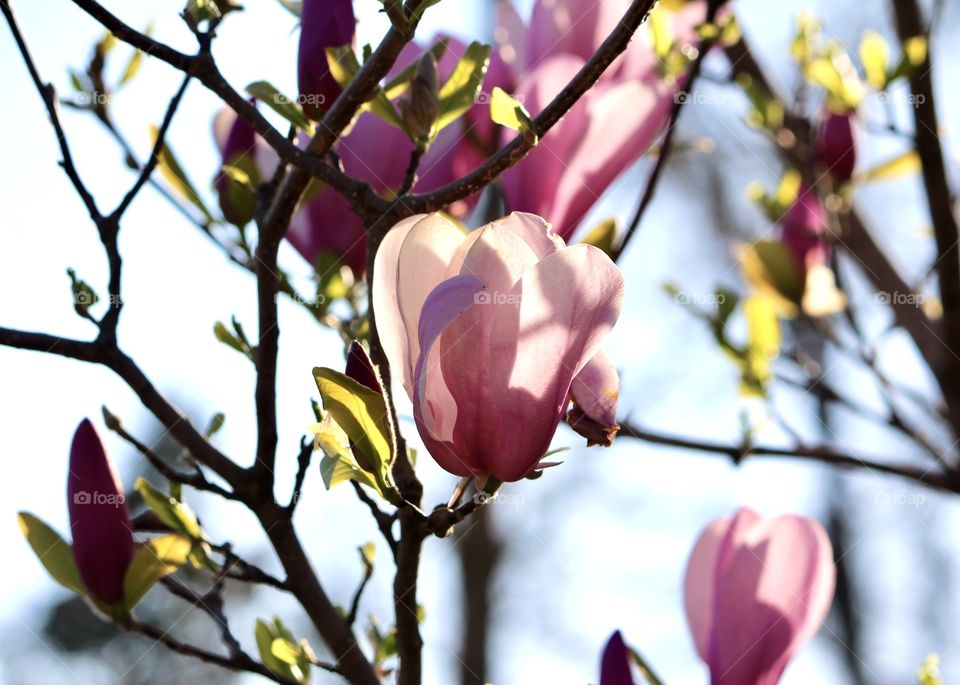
x=379 y=153
x=487 y=332
x=323 y=24
x=103 y=544
x=608 y=129
x=756 y=591
x=836 y=145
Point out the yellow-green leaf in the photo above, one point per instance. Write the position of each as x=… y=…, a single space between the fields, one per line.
x=875 y=58
x=915 y=50
x=905 y=164
x=661 y=33
x=770 y=268
x=603 y=236
x=279 y=651
x=281 y=104
x=359 y=411
x=174 y=513
x=507 y=111
x=338 y=464
x=399 y=84
x=175 y=175
x=460 y=91
x=153 y=560
x=789 y=188
x=53 y=551
x=344 y=66
x=763 y=342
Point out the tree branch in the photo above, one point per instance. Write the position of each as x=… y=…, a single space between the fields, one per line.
x=948 y=482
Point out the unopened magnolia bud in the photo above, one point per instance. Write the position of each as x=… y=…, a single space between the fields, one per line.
x=360 y=368
x=836 y=145
x=102 y=531
x=422 y=106
x=323 y=24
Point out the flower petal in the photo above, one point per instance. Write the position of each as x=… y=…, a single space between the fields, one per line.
x=509 y=364
x=615 y=664
x=595 y=391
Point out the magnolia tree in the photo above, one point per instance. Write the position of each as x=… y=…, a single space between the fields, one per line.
x=375 y=173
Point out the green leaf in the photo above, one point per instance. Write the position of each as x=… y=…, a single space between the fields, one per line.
x=362 y=414
x=153 y=560
x=661 y=32
x=174 y=174
x=52 y=551
x=174 y=513
x=136 y=61
x=281 y=104
x=603 y=236
x=344 y=66
x=789 y=188
x=770 y=267
x=507 y=111
x=906 y=164
x=280 y=652
x=368 y=555
x=460 y=91
x=339 y=465
x=216 y=423
x=875 y=58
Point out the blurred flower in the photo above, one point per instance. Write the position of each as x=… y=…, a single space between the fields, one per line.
x=615 y=663
x=805 y=236
x=756 y=591
x=487 y=331
x=609 y=128
x=103 y=544
x=323 y=24
x=836 y=145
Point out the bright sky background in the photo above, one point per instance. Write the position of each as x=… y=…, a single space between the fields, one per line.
x=599 y=543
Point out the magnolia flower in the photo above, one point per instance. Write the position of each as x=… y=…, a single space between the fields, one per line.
x=805 y=236
x=323 y=24
x=487 y=332
x=836 y=145
x=103 y=544
x=609 y=128
x=378 y=153
x=756 y=591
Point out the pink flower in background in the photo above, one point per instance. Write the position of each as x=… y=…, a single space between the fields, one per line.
x=487 y=332
x=323 y=24
x=608 y=129
x=804 y=232
x=836 y=145
x=378 y=153
x=756 y=591
x=103 y=544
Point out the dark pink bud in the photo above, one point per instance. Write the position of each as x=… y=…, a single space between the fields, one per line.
x=103 y=544
x=805 y=231
x=360 y=368
x=323 y=24
x=836 y=145
x=615 y=664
